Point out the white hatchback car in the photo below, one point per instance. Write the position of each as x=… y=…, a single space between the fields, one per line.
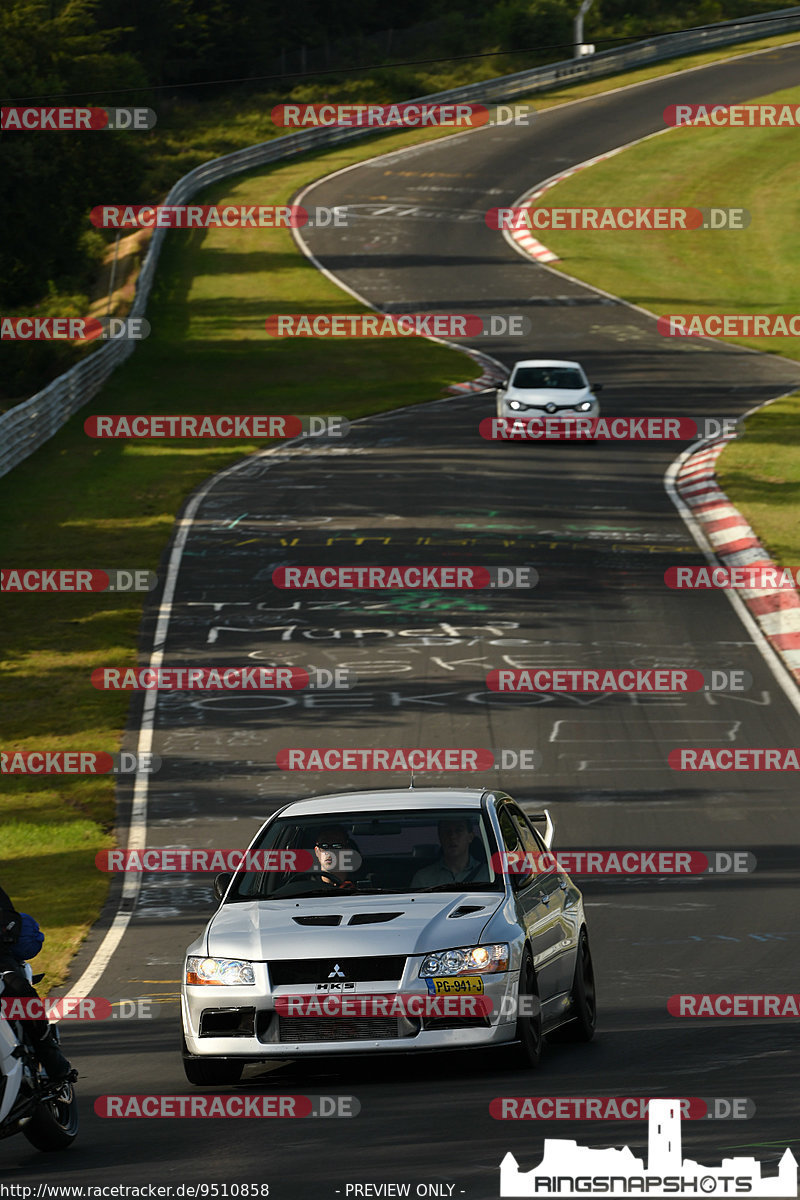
x=429 y=908
x=547 y=387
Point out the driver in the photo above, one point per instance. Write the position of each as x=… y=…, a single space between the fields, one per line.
x=329 y=845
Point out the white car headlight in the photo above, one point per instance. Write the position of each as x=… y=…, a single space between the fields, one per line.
x=219 y=971
x=485 y=960
x=515 y=404
x=585 y=406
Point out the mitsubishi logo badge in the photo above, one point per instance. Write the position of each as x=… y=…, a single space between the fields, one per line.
x=336 y=972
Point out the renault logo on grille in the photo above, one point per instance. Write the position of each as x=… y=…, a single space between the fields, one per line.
x=551 y=408
x=336 y=973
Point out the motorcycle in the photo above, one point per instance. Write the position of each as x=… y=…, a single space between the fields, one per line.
x=46 y=1113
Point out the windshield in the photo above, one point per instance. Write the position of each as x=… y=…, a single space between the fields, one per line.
x=375 y=852
x=566 y=378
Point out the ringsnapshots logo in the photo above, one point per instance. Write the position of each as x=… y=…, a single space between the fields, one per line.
x=570 y=1170
x=368 y=325
x=75 y=120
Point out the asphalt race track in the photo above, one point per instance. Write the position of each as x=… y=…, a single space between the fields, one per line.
x=421 y=486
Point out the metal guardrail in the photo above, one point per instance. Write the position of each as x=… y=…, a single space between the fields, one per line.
x=24 y=428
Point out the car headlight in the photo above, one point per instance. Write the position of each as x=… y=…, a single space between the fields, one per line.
x=486 y=960
x=585 y=406
x=515 y=404
x=219 y=971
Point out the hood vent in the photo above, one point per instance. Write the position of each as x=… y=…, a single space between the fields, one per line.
x=322 y=919
x=373 y=918
x=465 y=910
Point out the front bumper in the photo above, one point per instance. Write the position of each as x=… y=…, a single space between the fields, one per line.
x=241 y=1022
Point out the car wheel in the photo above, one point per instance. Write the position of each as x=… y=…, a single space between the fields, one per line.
x=582 y=1026
x=527 y=1049
x=211 y=1072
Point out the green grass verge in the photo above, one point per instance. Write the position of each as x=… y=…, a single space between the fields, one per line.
x=761 y=474
x=78 y=502
x=702 y=271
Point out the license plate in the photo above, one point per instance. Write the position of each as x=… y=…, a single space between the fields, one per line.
x=459 y=985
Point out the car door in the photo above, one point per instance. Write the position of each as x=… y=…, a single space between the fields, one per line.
x=552 y=887
x=533 y=906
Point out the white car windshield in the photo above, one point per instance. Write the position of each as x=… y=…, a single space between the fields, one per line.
x=399 y=852
x=532 y=378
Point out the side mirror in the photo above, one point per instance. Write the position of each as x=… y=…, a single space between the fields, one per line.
x=221 y=882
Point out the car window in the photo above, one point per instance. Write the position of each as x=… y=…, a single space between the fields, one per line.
x=521 y=875
x=394 y=851
x=548 y=377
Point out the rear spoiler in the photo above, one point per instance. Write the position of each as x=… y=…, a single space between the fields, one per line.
x=550 y=829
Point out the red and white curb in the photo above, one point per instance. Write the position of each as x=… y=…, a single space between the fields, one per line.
x=523 y=237
x=493 y=373
x=775 y=610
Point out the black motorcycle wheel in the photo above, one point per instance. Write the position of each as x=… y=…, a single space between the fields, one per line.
x=54 y=1125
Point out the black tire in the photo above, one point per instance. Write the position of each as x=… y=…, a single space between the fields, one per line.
x=54 y=1125
x=582 y=1026
x=527 y=1048
x=211 y=1072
